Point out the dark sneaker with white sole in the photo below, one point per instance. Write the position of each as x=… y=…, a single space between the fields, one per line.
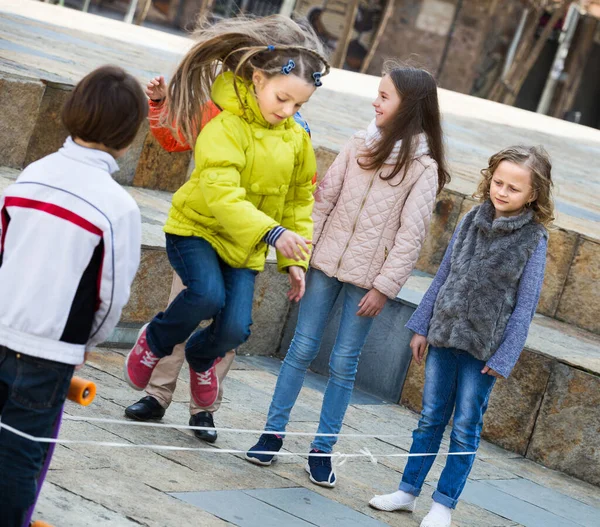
x=320 y=470
x=266 y=443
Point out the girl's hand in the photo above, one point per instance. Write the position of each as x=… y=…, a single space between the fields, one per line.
x=371 y=304
x=297 y=283
x=493 y=373
x=156 y=89
x=293 y=246
x=418 y=345
x=85 y=358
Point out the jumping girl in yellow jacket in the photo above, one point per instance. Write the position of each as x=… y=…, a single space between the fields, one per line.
x=252 y=187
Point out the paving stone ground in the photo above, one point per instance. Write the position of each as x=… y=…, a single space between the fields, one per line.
x=92 y=485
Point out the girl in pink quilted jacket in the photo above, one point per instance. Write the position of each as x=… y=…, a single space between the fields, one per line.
x=372 y=211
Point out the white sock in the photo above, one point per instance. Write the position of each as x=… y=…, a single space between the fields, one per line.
x=401 y=498
x=439 y=513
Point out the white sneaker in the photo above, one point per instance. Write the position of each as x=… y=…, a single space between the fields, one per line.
x=438 y=516
x=396 y=501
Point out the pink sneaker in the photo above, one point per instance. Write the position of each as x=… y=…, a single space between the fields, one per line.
x=140 y=363
x=204 y=387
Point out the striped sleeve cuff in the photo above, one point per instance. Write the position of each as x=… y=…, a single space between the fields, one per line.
x=273 y=235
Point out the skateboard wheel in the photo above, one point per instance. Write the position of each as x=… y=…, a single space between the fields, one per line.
x=81 y=391
x=40 y=523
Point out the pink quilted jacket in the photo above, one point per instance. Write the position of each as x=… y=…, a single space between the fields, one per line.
x=367 y=231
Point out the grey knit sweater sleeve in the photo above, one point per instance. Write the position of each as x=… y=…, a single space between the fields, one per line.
x=528 y=295
x=419 y=321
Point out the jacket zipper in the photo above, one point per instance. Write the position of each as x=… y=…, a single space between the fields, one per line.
x=362 y=205
x=260 y=204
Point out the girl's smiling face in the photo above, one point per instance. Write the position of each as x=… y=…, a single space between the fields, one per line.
x=511 y=189
x=387 y=103
x=280 y=96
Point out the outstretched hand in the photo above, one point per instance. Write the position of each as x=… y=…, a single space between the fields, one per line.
x=293 y=246
x=85 y=358
x=493 y=373
x=296 y=276
x=371 y=304
x=418 y=345
x=156 y=89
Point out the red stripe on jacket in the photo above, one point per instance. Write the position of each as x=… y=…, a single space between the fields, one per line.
x=54 y=210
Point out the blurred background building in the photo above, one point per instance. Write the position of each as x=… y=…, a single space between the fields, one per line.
x=539 y=55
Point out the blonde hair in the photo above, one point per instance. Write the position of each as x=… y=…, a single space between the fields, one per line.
x=241 y=45
x=536 y=159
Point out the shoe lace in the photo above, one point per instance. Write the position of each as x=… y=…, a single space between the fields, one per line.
x=321 y=460
x=149 y=359
x=268 y=440
x=204 y=378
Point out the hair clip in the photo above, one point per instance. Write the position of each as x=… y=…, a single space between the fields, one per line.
x=317 y=78
x=270 y=48
x=287 y=69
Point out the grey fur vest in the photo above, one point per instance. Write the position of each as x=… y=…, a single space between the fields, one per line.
x=479 y=295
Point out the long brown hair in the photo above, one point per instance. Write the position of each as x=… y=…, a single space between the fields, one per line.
x=537 y=160
x=419 y=112
x=241 y=45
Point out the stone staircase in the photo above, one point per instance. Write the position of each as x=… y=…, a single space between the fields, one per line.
x=548 y=410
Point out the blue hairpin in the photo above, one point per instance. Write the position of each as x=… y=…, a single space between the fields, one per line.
x=271 y=48
x=287 y=69
x=317 y=78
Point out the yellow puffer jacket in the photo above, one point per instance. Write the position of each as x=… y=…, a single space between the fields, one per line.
x=250 y=176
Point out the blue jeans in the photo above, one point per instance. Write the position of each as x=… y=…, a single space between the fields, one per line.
x=321 y=294
x=32 y=393
x=453 y=381
x=214 y=290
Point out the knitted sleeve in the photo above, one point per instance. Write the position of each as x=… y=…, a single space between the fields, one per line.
x=528 y=295
x=419 y=321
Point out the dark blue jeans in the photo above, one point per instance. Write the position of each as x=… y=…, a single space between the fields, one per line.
x=32 y=393
x=453 y=382
x=214 y=290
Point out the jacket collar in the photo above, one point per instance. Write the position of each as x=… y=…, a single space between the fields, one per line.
x=373 y=136
x=224 y=96
x=484 y=220
x=89 y=156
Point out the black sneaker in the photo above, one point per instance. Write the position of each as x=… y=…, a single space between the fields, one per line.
x=266 y=443
x=146 y=409
x=204 y=419
x=320 y=470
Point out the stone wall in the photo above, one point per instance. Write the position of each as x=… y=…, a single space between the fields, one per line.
x=432 y=34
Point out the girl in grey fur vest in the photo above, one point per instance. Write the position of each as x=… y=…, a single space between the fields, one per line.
x=475 y=318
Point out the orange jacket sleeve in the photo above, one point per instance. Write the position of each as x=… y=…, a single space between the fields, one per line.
x=164 y=135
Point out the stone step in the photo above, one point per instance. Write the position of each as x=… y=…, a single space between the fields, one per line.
x=43 y=53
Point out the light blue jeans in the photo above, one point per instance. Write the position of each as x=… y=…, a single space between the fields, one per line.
x=453 y=381
x=315 y=308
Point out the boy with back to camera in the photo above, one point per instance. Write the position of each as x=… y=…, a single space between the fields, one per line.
x=69 y=250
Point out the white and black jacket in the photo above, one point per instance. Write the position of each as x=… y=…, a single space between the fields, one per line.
x=69 y=250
